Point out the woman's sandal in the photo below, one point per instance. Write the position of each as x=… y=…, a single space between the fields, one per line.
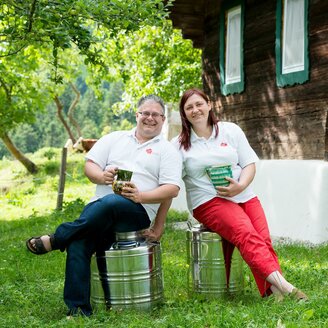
x=38 y=247
x=298 y=295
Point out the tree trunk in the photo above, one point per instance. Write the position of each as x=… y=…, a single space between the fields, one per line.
x=61 y=117
x=72 y=108
x=29 y=165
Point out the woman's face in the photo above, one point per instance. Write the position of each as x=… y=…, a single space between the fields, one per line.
x=196 y=109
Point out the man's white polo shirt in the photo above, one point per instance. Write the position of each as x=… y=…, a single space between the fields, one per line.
x=154 y=163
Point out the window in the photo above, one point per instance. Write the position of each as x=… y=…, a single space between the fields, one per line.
x=292 y=62
x=231 y=47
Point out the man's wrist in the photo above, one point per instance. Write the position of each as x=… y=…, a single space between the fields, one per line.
x=140 y=197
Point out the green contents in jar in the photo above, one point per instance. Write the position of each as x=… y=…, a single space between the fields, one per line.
x=217 y=174
x=123 y=178
x=124 y=175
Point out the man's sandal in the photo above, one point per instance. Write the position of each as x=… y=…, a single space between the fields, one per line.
x=38 y=247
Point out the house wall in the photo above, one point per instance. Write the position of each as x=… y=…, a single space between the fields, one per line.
x=287 y=127
x=293 y=193
x=280 y=123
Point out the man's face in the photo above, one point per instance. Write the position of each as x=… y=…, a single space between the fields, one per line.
x=150 y=120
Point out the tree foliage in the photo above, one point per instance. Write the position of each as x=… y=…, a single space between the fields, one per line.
x=39 y=26
x=158 y=60
x=52 y=28
x=46 y=46
x=154 y=59
x=20 y=82
x=67 y=22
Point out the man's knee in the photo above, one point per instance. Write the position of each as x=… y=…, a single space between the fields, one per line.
x=80 y=248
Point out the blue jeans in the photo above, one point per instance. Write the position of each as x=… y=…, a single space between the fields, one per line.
x=94 y=231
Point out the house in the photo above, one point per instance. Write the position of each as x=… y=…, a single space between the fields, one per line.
x=265 y=67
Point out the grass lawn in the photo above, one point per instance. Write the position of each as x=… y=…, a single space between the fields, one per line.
x=31 y=287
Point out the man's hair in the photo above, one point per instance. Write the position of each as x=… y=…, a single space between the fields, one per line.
x=155 y=98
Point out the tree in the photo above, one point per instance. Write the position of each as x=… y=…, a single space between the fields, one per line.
x=29 y=25
x=70 y=113
x=19 y=97
x=98 y=35
x=152 y=60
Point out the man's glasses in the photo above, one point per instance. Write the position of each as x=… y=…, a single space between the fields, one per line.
x=154 y=115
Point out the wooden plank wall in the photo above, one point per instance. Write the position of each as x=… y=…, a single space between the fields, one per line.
x=280 y=123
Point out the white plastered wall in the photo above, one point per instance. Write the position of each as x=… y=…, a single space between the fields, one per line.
x=294 y=195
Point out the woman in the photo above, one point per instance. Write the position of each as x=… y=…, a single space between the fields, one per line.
x=234 y=211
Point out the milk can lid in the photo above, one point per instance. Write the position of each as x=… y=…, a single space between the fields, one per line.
x=130 y=236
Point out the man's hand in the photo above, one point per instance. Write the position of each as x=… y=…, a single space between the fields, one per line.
x=97 y=175
x=130 y=191
x=153 y=234
x=109 y=175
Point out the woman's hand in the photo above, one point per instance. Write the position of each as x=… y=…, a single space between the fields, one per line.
x=233 y=189
x=236 y=187
x=130 y=191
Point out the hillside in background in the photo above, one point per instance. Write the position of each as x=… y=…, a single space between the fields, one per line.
x=23 y=195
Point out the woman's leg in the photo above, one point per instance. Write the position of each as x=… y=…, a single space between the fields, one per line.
x=278 y=284
x=255 y=212
x=231 y=222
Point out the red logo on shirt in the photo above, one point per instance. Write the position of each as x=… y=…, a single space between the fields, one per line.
x=149 y=151
x=224 y=144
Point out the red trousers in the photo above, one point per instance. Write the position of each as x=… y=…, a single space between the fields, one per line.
x=243 y=225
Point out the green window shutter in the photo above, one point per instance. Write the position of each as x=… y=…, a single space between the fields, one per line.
x=231 y=47
x=298 y=73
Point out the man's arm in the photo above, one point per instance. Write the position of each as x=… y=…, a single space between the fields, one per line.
x=157 y=195
x=96 y=175
x=155 y=232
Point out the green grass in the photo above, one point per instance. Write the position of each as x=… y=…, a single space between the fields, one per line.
x=22 y=194
x=31 y=287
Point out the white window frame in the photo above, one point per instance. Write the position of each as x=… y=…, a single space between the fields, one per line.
x=233 y=45
x=292 y=36
x=294 y=70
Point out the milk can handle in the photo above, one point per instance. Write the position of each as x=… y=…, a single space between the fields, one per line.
x=126 y=244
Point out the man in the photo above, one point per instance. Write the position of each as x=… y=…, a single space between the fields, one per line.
x=156 y=167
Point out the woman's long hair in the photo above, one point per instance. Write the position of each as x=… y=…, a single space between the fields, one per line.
x=184 y=137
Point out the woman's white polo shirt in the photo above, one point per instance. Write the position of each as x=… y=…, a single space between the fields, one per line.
x=229 y=147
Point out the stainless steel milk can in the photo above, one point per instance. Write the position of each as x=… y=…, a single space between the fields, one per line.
x=128 y=275
x=215 y=266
